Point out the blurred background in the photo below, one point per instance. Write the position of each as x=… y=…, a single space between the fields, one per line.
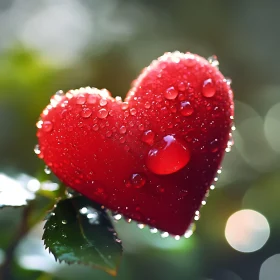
x=47 y=45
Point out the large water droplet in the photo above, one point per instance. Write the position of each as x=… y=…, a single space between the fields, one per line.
x=171 y=93
x=47 y=126
x=37 y=150
x=208 y=88
x=168 y=156
x=64 y=222
x=148 y=137
x=86 y=113
x=136 y=181
x=185 y=108
x=102 y=113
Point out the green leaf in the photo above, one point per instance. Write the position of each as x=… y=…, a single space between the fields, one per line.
x=80 y=231
x=14 y=192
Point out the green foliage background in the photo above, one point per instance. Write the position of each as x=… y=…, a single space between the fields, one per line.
x=51 y=45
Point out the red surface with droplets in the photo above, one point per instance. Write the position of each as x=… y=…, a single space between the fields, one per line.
x=151 y=158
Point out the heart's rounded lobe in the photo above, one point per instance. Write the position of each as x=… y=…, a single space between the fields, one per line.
x=151 y=158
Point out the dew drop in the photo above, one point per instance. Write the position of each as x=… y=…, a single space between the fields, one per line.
x=228 y=81
x=153 y=230
x=103 y=102
x=122 y=129
x=141 y=226
x=182 y=86
x=124 y=105
x=186 y=109
x=168 y=156
x=135 y=181
x=83 y=210
x=148 y=137
x=141 y=127
x=190 y=60
x=81 y=99
x=213 y=60
x=91 y=99
x=47 y=126
x=37 y=150
x=59 y=93
x=39 y=124
x=208 y=88
x=102 y=113
x=214 y=145
x=117 y=217
x=132 y=111
x=171 y=93
x=95 y=127
x=108 y=134
x=86 y=113
x=147 y=105
x=47 y=170
x=64 y=222
x=164 y=234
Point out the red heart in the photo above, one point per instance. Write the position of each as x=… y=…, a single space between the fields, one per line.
x=151 y=158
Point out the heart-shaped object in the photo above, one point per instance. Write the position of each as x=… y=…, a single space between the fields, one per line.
x=151 y=158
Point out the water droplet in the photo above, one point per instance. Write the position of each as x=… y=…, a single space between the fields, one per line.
x=214 y=146
x=141 y=127
x=64 y=222
x=37 y=150
x=108 y=134
x=189 y=231
x=47 y=170
x=124 y=105
x=102 y=113
x=148 y=137
x=122 y=140
x=103 y=102
x=168 y=156
x=182 y=86
x=91 y=99
x=83 y=210
x=153 y=230
x=136 y=181
x=171 y=93
x=208 y=88
x=133 y=111
x=117 y=217
x=81 y=99
x=177 y=237
x=47 y=126
x=213 y=60
x=190 y=60
x=122 y=129
x=39 y=124
x=147 y=105
x=186 y=109
x=86 y=113
x=228 y=81
x=59 y=93
x=141 y=226
x=118 y=240
x=164 y=234
x=212 y=187
x=95 y=127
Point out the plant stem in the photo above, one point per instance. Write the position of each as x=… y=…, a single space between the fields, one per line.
x=6 y=267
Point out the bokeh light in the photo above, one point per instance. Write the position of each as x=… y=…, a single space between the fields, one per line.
x=270 y=269
x=247 y=231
